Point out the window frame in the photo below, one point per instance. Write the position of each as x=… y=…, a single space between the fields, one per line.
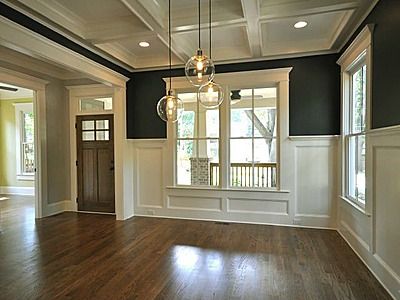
x=91 y=111
x=358 y=54
x=195 y=139
x=253 y=136
x=349 y=133
x=20 y=110
x=224 y=139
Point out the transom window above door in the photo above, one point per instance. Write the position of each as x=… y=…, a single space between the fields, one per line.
x=98 y=104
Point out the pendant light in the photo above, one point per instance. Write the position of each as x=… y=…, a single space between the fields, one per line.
x=211 y=94
x=170 y=107
x=199 y=69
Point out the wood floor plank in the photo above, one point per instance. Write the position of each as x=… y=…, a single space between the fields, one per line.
x=82 y=256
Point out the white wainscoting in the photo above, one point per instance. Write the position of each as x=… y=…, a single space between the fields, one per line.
x=308 y=199
x=315 y=184
x=375 y=234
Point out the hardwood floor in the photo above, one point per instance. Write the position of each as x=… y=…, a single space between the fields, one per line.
x=83 y=256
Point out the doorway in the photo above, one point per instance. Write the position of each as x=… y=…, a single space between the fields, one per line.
x=17 y=152
x=95 y=163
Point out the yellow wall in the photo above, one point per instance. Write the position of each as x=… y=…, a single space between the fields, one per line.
x=8 y=162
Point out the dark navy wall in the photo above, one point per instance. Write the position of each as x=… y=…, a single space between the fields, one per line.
x=385 y=63
x=314 y=96
x=314 y=81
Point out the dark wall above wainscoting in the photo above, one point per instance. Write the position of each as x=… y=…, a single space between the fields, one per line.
x=314 y=99
x=385 y=62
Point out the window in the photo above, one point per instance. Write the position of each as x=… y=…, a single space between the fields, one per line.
x=251 y=140
x=355 y=133
x=197 y=143
x=95 y=104
x=253 y=145
x=25 y=141
x=95 y=130
x=356 y=76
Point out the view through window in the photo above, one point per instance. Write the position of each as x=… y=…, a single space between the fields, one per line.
x=27 y=143
x=253 y=133
x=197 y=143
x=252 y=140
x=355 y=137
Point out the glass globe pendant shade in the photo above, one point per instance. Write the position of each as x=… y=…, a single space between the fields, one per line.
x=199 y=69
x=210 y=95
x=170 y=108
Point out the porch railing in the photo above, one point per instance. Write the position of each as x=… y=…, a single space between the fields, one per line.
x=242 y=174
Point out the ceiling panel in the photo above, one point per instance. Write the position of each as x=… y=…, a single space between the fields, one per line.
x=242 y=29
x=185 y=12
x=155 y=55
x=227 y=42
x=279 y=36
x=96 y=11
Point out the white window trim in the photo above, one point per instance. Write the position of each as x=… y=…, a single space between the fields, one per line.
x=19 y=109
x=251 y=79
x=362 y=45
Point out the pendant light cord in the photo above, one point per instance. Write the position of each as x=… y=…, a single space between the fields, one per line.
x=199 y=25
x=169 y=43
x=209 y=25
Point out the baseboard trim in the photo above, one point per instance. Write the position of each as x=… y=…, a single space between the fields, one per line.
x=233 y=221
x=368 y=256
x=17 y=190
x=56 y=208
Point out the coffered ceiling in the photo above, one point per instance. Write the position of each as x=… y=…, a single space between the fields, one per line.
x=243 y=30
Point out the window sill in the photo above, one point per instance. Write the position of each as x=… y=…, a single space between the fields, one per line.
x=356 y=206
x=26 y=177
x=217 y=189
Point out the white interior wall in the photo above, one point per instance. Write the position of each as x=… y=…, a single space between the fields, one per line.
x=306 y=194
x=375 y=236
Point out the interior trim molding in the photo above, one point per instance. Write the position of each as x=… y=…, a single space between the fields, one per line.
x=371 y=262
x=17 y=190
x=69 y=36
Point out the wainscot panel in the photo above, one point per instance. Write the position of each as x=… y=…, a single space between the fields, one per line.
x=307 y=198
x=374 y=234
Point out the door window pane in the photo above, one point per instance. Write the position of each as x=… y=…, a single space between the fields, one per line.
x=102 y=135
x=87 y=135
x=102 y=124
x=88 y=125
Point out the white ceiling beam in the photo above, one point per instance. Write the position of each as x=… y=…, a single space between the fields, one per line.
x=138 y=10
x=105 y=39
x=251 y=14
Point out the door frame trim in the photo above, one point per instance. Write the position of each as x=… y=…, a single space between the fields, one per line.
x=75 y=93
x=40 y=144
x=31 y=43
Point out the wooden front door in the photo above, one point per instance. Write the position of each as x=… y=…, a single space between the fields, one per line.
x=95 y=143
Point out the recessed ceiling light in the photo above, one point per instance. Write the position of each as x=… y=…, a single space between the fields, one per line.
x=300 y=24
x=144 y=44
